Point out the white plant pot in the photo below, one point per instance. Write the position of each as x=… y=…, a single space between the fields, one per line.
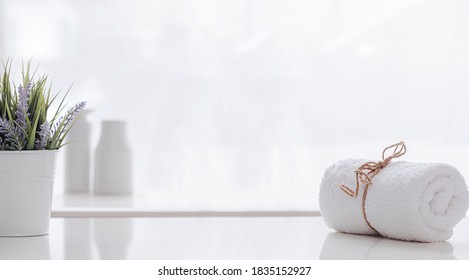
x=26 y=185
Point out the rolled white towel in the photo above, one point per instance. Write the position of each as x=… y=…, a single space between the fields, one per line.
x=407 y=200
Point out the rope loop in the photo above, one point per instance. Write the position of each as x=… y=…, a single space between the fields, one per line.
x=365 y=173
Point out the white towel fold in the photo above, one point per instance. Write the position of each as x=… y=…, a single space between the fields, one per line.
x=407 y=200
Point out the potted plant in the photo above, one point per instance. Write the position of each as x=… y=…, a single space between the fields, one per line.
x=30 y=137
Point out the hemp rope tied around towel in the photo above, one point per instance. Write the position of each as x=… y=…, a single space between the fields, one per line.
x=367 y=171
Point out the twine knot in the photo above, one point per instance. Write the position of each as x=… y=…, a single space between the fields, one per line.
x=382 y=164
x=368 y=170
x=365 y=173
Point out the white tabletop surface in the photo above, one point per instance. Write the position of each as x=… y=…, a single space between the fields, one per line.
x=219 y=238
x=143 y=227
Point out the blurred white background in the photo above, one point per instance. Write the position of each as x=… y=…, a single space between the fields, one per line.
x=252 y=100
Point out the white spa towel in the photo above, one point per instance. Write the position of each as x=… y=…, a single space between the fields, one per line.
x=407 y=200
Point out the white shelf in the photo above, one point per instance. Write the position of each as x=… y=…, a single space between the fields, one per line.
x=154 y=204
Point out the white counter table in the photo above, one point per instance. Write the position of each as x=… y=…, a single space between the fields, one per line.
x=104 y=228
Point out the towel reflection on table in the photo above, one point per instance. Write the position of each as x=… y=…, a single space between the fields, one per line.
x=342 y=246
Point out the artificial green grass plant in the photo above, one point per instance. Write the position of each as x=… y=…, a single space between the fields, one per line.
x=24 y=110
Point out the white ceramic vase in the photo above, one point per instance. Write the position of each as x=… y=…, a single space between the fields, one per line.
x=77 y=155
x=113 y=160
x=26 y=186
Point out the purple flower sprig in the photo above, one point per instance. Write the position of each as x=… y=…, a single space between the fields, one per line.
x=63 y=125
x=14 y=136
x=44 y=136
x=22 y=114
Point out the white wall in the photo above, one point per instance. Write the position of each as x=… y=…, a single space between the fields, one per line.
x=257 y=97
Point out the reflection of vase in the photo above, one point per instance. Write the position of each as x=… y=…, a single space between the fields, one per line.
x=113 y=237
x=25 y=248
x=113 y=168
x=77 y=239
x=26 y=183
x=77 y=156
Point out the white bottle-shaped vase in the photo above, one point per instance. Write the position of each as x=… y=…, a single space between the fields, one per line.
x=113 y=160
x=77 y=155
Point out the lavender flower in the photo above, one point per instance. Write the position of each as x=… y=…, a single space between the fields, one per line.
x=14 y=136
x=55 y=126
x=44 y=135
x=4 y=126
x=22 y=113
x=65 y=121
x=62 y=126
x=19 y=131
